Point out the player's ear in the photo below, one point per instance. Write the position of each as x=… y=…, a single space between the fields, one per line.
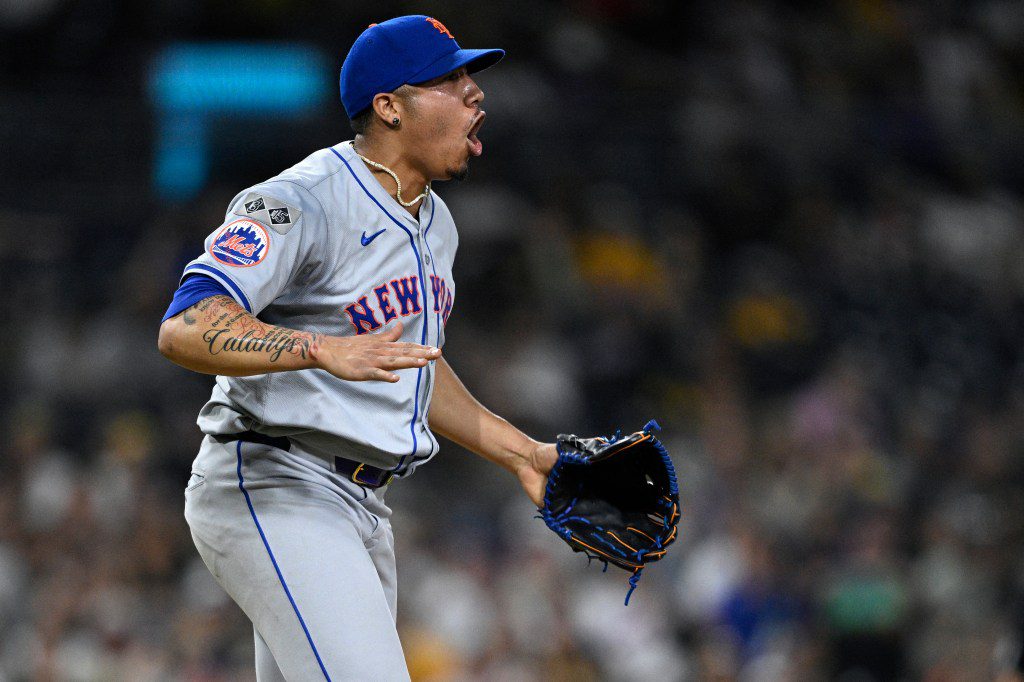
x=387 y=107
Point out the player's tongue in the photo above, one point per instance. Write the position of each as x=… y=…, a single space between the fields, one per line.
x=476 y=147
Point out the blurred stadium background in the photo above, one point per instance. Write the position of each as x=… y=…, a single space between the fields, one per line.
x=790 y=231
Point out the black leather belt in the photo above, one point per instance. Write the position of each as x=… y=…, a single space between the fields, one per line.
x=357 y=472
x=281 y=443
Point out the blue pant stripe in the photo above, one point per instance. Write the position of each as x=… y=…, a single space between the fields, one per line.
x=248 y=501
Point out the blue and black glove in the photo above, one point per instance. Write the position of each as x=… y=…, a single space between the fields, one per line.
x=614 y=499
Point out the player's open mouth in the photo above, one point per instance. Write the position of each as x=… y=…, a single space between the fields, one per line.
x=476 y=147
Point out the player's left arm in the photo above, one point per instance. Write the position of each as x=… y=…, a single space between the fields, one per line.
x=459 y=417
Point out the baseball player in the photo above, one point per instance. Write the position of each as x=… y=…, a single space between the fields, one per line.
x=320 y=303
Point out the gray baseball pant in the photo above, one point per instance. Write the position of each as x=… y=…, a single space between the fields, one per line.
x=307 y=555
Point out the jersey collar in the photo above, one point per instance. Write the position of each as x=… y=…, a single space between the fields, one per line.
x=373 y=185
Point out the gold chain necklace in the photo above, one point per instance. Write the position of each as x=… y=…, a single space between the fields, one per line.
x=398 y=194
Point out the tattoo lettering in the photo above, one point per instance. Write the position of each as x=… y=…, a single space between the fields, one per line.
x=230 y=329
x=210 y=309
x=274 y=341
x=227 y=325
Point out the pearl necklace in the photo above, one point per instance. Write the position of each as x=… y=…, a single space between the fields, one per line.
x=398 y=194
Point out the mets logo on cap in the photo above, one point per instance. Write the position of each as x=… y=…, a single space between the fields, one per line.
x=241 y=244
x=441 y=28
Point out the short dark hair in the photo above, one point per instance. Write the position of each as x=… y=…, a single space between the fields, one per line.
x=361 y=122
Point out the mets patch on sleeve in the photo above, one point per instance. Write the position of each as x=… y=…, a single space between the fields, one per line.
x=241 y=244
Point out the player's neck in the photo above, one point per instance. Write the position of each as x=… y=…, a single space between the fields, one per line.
x=413 y=181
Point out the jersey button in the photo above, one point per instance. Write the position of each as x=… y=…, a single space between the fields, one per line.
x=426 y=259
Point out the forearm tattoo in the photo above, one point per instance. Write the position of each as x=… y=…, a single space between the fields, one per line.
x=232 y=330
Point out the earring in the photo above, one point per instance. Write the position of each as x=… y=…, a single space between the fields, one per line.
x=395 y=121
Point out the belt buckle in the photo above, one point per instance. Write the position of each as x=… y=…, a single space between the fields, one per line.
x=381 y=484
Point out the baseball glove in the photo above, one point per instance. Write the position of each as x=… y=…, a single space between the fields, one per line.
x=614 y=499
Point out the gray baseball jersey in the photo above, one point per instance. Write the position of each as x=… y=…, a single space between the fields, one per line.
x=322 y=247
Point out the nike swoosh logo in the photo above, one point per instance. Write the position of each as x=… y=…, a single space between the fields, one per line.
x=365 y=241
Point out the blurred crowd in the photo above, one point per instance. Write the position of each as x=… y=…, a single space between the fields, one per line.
x=790 y=232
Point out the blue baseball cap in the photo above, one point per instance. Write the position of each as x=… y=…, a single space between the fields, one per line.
x=411 y=49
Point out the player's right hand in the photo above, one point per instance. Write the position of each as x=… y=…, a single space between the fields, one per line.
x=370 y=357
